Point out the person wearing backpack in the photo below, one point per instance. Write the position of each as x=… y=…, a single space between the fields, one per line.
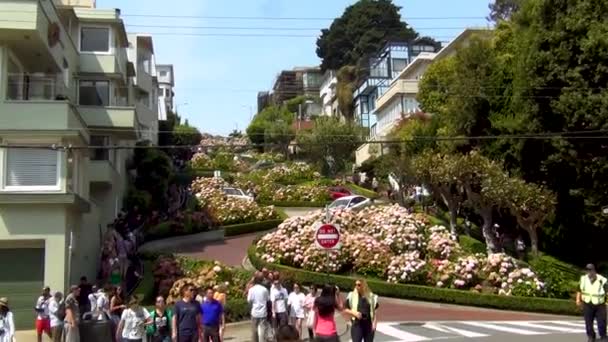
x=57 y=315
x=160 y=329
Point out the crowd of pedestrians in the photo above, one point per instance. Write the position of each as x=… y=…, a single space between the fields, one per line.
x=281 y=316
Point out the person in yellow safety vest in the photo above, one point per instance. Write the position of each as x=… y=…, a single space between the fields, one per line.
x=361 y=305
x=592 y=298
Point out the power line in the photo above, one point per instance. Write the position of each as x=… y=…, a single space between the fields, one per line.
x=184 y=16
x=537 y=136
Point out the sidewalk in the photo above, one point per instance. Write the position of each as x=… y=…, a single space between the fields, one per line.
x=238 y=332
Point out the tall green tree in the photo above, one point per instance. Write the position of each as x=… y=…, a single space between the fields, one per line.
x=360 y=32
x=271 y=126
x=331 y=144
x=503 y=9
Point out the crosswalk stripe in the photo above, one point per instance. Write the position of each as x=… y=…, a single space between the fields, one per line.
x=503 y=329
x=547 y=327
x=570 y=323
x=400 y=335
x=448 y=329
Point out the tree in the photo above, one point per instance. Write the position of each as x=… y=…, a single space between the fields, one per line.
x=330 y=144
x=266 y=125
x=235 y=134
x=503 y=9
x=483 y=182
x=360 y=32
x=347 y=83
x=531 y=205
x=279 y=135
x=443 y=175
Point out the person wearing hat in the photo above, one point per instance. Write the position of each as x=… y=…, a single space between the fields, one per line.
x=43 y=321
x=592 y=299
x=7 y=323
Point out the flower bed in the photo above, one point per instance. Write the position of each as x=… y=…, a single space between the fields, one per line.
x=390 y=243
x=424 y=293
x=229 y=210
x=171 y=273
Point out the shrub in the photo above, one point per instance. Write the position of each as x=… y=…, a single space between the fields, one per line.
x=161 y=230
x=253 y=227
x=295 y=204
x=138 y=198
x=362 y=191
x=471 y=245
x=425 y=293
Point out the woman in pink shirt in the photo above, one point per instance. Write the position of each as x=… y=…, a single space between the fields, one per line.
x=325 y=308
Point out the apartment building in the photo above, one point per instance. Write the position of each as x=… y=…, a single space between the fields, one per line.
x=166 y=83
x=66 y=83
x=146 y=87
x=397 y=101
x=329 y=94
x=299 y=81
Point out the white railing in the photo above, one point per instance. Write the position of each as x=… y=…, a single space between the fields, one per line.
x=35 y=87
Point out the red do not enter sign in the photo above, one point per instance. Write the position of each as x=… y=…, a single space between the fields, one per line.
x=327 y=236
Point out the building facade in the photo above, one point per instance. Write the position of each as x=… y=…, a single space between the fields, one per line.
x=398 y=101
x=68 y=93
x=166 y=94
x=300 y=81
x=329 y=95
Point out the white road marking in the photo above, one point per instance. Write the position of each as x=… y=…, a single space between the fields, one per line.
x=462 y=332
x=570 y=323
x=400 y=335
x=491 y=326
x=548 y=327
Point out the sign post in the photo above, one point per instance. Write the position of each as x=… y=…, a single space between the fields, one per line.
x=327 y=237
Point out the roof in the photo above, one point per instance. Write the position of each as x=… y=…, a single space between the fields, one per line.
x=144 y=38
x=420 y=59
x=463 y=36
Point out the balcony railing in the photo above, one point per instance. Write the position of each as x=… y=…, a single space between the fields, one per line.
x=35 y=87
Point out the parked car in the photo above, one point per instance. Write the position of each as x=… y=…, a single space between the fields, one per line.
x=355 y=202
x=338 y=192
x=237 y=193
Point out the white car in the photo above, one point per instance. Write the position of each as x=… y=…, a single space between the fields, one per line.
x=236 y=193
x=354 y=202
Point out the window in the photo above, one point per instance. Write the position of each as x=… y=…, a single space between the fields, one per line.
x=100 y=153
x=14 y=89
x=94 y=93
x=32 y=168
x=163 y=73
x=95 y=39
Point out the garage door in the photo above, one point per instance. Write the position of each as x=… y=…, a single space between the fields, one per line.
x=21 y=281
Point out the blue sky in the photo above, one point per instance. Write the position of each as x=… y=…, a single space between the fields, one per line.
x=219 y=77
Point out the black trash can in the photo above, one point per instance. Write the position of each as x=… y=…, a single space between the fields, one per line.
x=95 y=330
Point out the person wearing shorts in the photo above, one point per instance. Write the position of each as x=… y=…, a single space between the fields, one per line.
x=43 y=320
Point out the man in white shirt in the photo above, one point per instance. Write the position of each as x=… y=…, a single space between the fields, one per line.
x=57 y=314
x=278 y=297
x=43 y=322
x=102 y=305
x=92 y=297
x=258 y=298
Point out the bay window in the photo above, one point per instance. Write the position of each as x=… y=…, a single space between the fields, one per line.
x=31 y=169
x=94 y=93
x=95 y=39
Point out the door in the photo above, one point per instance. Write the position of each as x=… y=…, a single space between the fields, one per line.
x=21 y=281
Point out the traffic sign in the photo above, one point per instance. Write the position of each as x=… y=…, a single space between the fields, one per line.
x=327 y=236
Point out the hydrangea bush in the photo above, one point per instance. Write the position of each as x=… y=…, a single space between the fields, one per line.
x=229 y=210
x=390 y=243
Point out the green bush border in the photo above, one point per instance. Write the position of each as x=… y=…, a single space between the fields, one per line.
x=295 y=204
x=252 y=227
x=425 y=293
x=354 y=188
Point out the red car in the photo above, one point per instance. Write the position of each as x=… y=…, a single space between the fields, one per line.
x=338 y=192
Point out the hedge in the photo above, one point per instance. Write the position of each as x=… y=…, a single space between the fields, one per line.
x=253 y=227
x=362 y=191
x=295 y=204
x=471 y=245
x=425 y=293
